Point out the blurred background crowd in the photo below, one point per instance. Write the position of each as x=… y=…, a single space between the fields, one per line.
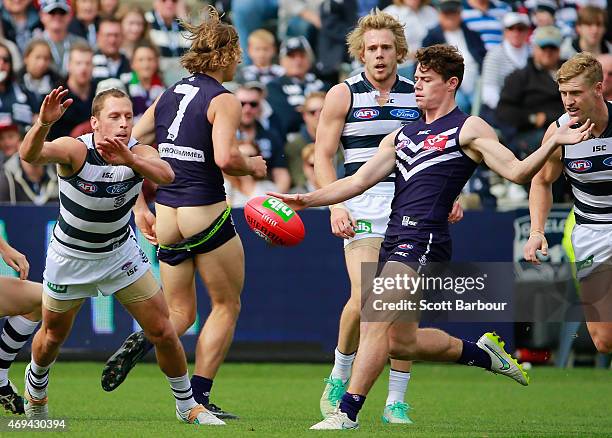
x=294 y=51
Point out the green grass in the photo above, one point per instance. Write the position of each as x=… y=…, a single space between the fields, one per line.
x=282 y=400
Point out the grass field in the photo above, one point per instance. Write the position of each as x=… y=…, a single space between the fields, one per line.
x=282 y=400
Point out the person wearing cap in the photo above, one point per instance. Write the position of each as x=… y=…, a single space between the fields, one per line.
x=485 y=18
x=454 y=31
x=287 y=93
x=267 y=141
x=81 y=90
x=529 y=100
x=500 y=61
x=55 y=16
x=591 y=28
x=20 y=22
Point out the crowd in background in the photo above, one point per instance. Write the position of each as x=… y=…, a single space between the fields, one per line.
x=294 y=51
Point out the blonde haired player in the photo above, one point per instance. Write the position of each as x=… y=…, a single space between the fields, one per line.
x=588 y=167
x=357 y=115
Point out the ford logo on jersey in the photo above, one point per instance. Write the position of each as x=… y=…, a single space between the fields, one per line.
x=366 y=113
x=117 y=189
x=580 y=165
x=406 y=114
x=608 y=162
x=87 y=187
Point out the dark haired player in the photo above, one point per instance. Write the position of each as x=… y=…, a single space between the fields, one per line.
x=432 y=160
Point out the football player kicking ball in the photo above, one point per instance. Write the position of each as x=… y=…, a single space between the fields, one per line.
x=93 y=248
x=20 y=301
x=429 y=175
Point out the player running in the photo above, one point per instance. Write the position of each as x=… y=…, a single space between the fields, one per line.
x=357 y=114
x=587 y=166
x=432 y=160
x=20 y=300
x=93 y=248
x=194 y=124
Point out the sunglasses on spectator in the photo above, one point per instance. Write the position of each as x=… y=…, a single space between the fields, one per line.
x=172 y=1
x=6 y=59
x=251 y=103
x=518 y=28
x=58 y=11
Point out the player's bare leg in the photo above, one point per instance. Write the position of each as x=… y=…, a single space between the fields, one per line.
x=398 y=336
x=57 y=320
x=596 y=296
x=356 y=253
x=154 y=317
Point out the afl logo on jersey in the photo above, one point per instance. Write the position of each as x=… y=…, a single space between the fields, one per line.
x=406 y=114
x=366 y=113
x=580 y=165
x=117 y=189
x=608 y=162
x=87 y=187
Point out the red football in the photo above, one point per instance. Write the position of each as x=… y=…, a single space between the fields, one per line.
x=274 y=221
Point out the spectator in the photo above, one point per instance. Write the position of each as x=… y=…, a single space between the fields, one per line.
x=307 y=163
x=22 y=182
x=146 y=84
x=452 y=30
x=485 y=18
x=55 y=16
x=590 y=27
x=239 y=189
x=606 y=64
x=108 y=61
x=9 y=142
x=85 y=21
x=543 y=13
x=311 y=111
x=287 y=93
x=134 y=28
x=108 y=8
x=249 y=15
x=530 y=100
x=80 y=88
x=37 y=76
x=261 y=50
x=299 y=17
x=20 y=22
x=502 y=60
x=270 y=145
x=18 y=105
x=418 y=18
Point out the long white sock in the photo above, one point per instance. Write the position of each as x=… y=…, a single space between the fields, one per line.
x=37 y=380
x=15 y=333
x=343 y=364
x=398 y=384
x=181 y=389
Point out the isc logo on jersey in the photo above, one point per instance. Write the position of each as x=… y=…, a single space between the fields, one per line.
x=279 y=207
x=580 y=165
x=406 y=114
x=366 y=113
x=435 y=142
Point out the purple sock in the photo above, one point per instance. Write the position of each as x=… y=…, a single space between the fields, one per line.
x=201 y=387
x=473 y=355
x=351 y=404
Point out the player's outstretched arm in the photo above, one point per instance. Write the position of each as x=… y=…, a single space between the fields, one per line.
x=224 y=112
x=33 y=148
x=481 y=138
x=373 y=171
x=14 y=259
x=540 y=201
x=144 y=129
x=142 y=158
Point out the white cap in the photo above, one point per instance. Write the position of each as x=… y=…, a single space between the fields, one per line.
x=514 y=18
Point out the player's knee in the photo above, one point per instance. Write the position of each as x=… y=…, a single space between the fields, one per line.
x=603 y=342
x=160 y=333
x=229 y=305
x=54 y=337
